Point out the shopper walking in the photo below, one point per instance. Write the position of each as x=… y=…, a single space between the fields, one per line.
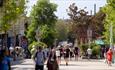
x=76 y=52
x=39 y=59
x=67 y=55
x=89 y=52
x=109 y=56
x=58 y=56
x=52 y=63
x=5 y=60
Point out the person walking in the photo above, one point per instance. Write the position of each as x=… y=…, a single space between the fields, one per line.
x=89 y=52
x=39 y=59
x=52 y=63
x=76 y=52
x=109 y=56
x=12 y=52
x=71 y=53
x=58 y=56
x=67 y=55
x=61 y=52
x=5 y=60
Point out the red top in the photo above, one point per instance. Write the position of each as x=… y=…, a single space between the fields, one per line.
x=109 y=55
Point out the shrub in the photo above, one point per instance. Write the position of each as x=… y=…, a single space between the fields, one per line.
x=83 y=48
x=32 y=47
x=96 y=50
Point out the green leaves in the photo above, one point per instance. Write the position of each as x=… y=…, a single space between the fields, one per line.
x=111 y=3
x=109 y=9
x=43 y=12
x=62 y=29
x=12 y=9
x=47 y=35
x=43 y=22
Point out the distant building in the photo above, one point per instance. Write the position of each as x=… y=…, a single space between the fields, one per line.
x=16 y=30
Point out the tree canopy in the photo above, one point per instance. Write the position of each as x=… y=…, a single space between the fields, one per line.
x=10 y=11
x=43 y=20
x=109 y=10
x=62 y=29
x=81 y=22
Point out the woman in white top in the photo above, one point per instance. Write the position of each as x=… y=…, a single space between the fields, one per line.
x=58 y=56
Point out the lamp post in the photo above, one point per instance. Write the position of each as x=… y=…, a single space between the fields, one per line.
x=111 y=35
x=55 y=43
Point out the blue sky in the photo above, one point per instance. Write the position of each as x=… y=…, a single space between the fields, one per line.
x=64 y=4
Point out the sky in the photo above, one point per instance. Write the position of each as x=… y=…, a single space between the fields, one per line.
x=64 y=4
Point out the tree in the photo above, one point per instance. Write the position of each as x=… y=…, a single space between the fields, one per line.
x=62 y=30
x=43 y=21
x=81 y=22
x=47 y=35
x=11 y=10
x=109 y=10
x=97 y=24
x=79 y=19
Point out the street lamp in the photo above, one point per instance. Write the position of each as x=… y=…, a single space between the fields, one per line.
x=55 y=43
x=111 y=35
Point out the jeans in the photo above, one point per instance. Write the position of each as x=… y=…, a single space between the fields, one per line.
x=39 y=67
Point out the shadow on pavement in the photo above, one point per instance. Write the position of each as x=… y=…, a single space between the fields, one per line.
x=16 y=62
x=23 y=69
x=69 y=65
x=14 y=68
x=26 y=64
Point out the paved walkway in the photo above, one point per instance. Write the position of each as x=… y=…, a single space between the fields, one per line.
x=28 y=64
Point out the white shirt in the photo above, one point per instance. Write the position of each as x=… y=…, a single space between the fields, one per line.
x=46 y=52
x=57 y=53
x=11 y=48
x=89 y=51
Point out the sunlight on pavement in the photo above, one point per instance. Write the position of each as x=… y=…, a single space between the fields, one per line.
x=28 y=64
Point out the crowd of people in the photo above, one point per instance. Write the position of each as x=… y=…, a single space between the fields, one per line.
x=56 y=54
x=18 y=52
x=53 y=57
x=7 y=55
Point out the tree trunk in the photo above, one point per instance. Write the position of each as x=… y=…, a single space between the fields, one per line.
x=5 y=40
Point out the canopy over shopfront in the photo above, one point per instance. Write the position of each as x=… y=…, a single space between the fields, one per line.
x=99 y=42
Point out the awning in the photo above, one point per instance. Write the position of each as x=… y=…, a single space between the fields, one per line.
x=99 y=42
